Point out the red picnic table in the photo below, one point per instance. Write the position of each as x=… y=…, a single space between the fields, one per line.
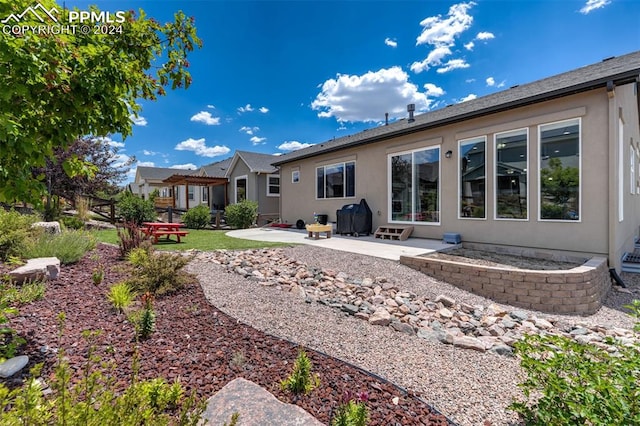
x=158 y=229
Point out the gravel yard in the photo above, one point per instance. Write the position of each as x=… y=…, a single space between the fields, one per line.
x=470 y=387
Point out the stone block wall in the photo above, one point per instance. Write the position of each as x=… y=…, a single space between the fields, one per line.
x=580 y=290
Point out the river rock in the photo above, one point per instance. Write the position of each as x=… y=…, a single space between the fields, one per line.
x=13 y=366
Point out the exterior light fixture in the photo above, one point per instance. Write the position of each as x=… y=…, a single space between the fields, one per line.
x=448 y=154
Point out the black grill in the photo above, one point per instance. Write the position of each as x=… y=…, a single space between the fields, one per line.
x=354 y=219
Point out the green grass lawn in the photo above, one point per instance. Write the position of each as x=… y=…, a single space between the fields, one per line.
x=201 y=239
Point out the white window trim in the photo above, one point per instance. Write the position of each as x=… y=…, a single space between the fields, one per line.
x=269 y=194
x=579 y=119
x=632 y=169
x=344 y=165
x=494 y=148
x=620 y=170
x=460 y=143
x=235 y=188
x=191 y=193
x=295 y=177
x=413 y=195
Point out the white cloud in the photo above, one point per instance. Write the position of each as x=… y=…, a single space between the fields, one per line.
x=469 y=97
x=490 y=81
x=367 y=97
x=107 y=140
x=390 y=42
x=206 y=118
x=147 y=152
x=256 y=140
x=593 y=5
x=453 y=64
x=470 y=45
x=263 y=110
x=484 y=35
x=139 y=120
x=433 y=90
x=293 y=145
x=434 y=58
x=145 y=164
x=198 y=146
x=188 y=166
x=211 y=106
x=437 y=31
x=249 y=130
x=246 y=108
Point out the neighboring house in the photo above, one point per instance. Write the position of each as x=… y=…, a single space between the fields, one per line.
x=554 y=164
x=246 y=175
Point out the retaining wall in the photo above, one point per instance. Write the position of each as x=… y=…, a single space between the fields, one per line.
x=580 y=290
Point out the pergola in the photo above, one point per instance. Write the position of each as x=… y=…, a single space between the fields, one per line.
x=187 y=180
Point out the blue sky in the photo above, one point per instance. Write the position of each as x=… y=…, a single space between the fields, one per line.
x=274 y=76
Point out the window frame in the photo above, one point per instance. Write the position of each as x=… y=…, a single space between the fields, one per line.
x=205 y=194
x=269 y=193
x=344 y=181
x=413 y=189
x=235 y=187
x=524 y=130
x=465 y=141
x=295 y=176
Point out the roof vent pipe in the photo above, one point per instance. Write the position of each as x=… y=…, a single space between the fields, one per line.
x=410 y=109
x=386 y=118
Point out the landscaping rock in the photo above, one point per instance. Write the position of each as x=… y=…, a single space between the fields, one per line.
x=403 y=327
x=13 y=366
x=41 y=268
x=445 y=300
x=255 y=405
x=469 y=343
x=380 y=317
x=49 y=227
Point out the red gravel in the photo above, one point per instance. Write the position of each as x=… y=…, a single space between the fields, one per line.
x=195 y=342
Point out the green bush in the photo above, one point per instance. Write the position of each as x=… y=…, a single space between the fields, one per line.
x=68 y=246
x=301 y=380
x=72 y=222
x=197 y=217
x=242 y=215
x=121 y=295
x=134 y=209
x=160 y=273
x=578 y=384
x=15 y=230
x=351 y=413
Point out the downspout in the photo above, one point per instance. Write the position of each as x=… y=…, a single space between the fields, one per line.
x=613 y=176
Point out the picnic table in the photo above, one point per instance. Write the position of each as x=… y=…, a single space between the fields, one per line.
x=159 y=229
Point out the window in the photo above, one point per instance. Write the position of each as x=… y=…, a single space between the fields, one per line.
x=205 y=194
x=241 y=189
x=336 y=180
x=560 y=170
x=295 y=176
x=472 y=178
x=511 y=175
x=273 y=185
x=191 y=191
x=415 y=186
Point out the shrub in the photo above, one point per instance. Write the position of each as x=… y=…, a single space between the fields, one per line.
x=144 y=320
x=197 y=217
x=15 y=229
x=242 y=215
x=72 y=222
x=301 y=381
x=578 y=383
x=134 y=209
x=131 y=237
x=121 y=295
x=139 y=256
x=352 y=411
x=160 y=274
x=68 y=246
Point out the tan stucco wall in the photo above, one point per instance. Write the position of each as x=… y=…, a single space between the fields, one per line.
x=589 y=236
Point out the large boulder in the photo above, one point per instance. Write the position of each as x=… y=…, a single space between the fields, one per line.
x=50 y=227
x=40 y=268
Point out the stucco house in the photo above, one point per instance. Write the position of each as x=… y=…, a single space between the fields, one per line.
x=553 y=164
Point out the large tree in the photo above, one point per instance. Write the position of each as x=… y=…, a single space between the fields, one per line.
x=56 y=88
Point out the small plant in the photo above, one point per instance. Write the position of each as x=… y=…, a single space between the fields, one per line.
x=139 y=256
x=121 y=295
x=160 y=274
x=72 y=222
x=352 y=411
x=97 y=275
x=69 y=246
x=242 y=215
x=146 y=320
x=234 y=419
x=301 y=380
x=130 y=236
x=15 y=230
x=14 y=261
x=238 y=360
x=197 y=217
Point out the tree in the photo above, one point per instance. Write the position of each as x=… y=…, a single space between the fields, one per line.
x=109 y=171
x=56 y=88
x=560 y=185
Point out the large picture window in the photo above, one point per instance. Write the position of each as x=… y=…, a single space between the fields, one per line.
x=560 y=170
x=336 y=180
x=415 y=186
x=472 y=178
x=511 y=175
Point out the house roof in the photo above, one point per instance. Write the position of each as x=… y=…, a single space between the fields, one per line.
x=257 y=163
x=158 y=173
x=217 y=169
x=619 y=70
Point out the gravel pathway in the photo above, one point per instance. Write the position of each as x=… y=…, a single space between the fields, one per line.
x=469 y=387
